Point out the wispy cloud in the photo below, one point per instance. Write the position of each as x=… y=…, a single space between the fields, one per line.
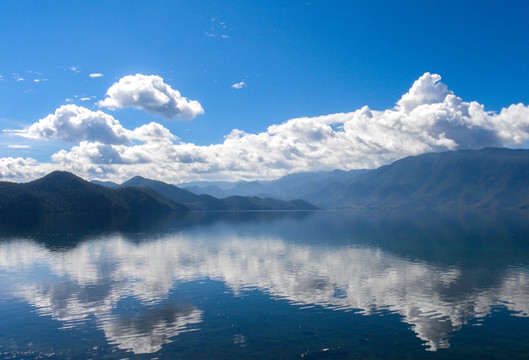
x=18 y=146
x=239 y=85
x=95 y=75
x=217 y=29
x=74 y=69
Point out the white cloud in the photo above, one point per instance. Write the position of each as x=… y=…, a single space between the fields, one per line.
x=95 y=75
x=73 y=124
x=86 y=98
x=23 y=169
x=427 y=118
x=150 y=93
x=239 y=85
x=18 y=146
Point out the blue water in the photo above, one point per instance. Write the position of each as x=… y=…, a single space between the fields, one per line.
x=285 y=285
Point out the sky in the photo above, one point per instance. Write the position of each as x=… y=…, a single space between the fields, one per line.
x=203 y=90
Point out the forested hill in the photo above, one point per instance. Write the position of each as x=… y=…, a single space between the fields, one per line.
x=63 y=192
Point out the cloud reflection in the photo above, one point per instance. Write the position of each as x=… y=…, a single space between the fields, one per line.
x=92 y=278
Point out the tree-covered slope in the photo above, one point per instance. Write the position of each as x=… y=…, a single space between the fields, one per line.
x=63 y=192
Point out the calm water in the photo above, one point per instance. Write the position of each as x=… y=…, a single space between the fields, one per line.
x=321 y=285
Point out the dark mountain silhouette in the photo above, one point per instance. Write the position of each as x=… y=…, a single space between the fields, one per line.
x=63 y=192
x=208 y=202
x=487 y=178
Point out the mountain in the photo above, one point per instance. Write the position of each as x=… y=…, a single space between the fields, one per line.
x=109 y=184
x=487 y=178
x=208 y=202
x=293 y=186
x=193 y=201
x=63 y=192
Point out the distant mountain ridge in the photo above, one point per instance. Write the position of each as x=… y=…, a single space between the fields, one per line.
x=210 y=203
x=64 y=192
x=487 y=178
x=293 y=186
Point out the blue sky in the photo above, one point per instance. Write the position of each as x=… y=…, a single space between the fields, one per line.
x=294 y=59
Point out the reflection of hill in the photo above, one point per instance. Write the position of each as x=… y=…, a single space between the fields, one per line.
x=67 y=230
x=436 y=299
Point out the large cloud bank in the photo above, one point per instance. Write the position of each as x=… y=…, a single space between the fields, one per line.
x=429 y=117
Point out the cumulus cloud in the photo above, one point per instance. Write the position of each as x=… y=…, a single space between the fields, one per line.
x=95 y=75
x=239 y=85
x=428 y=118
x=75 y=123
x=150 y=93
x=23 y=169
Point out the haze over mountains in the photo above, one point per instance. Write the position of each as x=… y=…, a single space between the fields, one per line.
x=298 y=185
x=208 y=202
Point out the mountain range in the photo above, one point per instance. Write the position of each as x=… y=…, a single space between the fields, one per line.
x=210 y=203
x=486 y=178
x=293 y=186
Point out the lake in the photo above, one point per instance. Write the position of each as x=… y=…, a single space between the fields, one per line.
x=277 y=285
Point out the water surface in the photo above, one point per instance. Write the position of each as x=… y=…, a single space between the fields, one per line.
x=285 y=285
